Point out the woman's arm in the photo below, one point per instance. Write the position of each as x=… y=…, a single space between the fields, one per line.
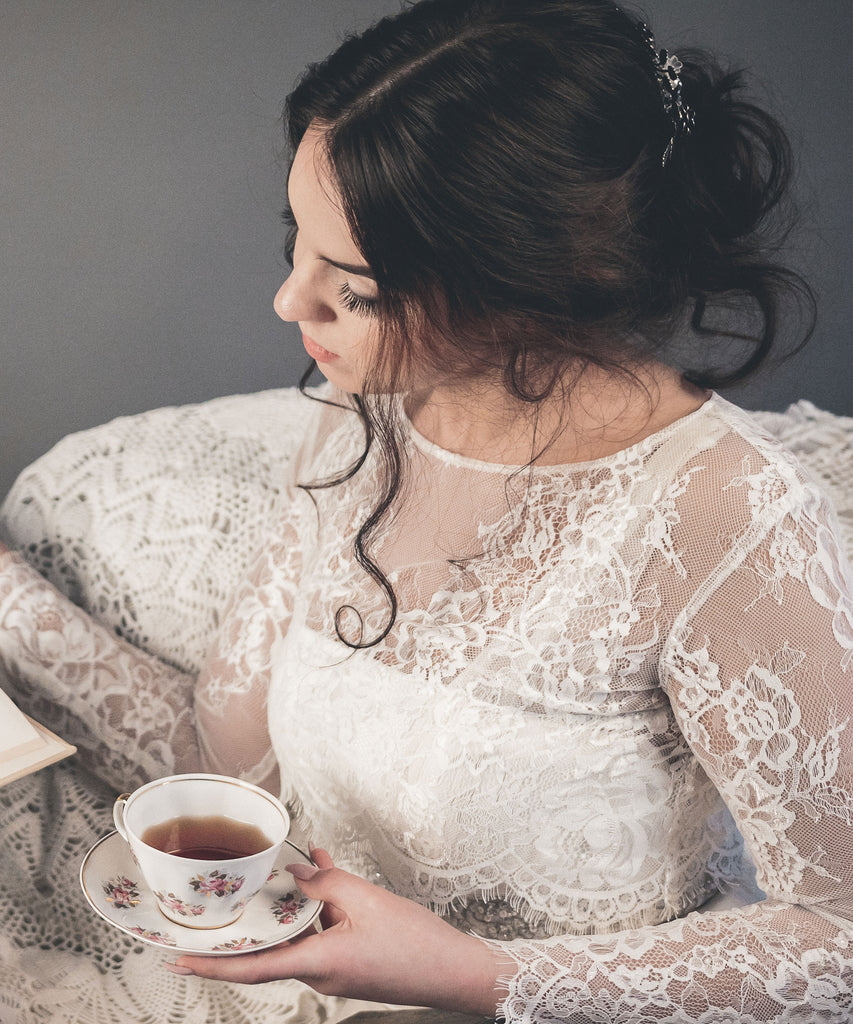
x=157 y=515
x=758 y=671
x=132 y=716
x=129 y=714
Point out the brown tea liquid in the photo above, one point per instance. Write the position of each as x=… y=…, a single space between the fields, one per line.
x=213 y=837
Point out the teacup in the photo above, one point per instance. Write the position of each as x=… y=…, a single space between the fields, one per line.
x=205 y=844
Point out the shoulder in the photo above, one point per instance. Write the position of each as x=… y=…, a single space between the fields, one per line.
x=730 y=492
x=737 y=457
x=248 y=438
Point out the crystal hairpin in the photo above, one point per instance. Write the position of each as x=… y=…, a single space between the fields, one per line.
x=667 y=70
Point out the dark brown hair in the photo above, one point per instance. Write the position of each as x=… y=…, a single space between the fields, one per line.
x=500 y=165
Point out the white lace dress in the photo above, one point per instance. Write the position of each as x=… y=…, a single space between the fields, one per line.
x=601 y=677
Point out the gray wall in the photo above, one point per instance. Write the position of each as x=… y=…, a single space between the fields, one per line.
x=141 y=185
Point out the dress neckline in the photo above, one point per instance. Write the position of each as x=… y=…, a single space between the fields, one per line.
x=628 y=454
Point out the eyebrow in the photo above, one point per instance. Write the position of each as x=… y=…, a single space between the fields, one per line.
x=358 y=269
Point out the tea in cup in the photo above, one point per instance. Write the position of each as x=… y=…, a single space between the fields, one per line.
x=205 y=844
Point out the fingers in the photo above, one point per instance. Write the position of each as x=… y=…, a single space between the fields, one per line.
x=246 y=969
x=307 y=956
x=301 y=958
x=322 y=881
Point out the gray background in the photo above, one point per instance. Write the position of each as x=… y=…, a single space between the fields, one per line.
x=142 y=180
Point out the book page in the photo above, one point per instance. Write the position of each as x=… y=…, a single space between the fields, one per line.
x=25 y=745
x=17 y=735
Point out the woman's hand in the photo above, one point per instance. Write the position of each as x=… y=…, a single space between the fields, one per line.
x=374 y=946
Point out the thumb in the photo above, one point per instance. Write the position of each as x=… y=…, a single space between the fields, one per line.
x=330 y=915
x=321 y=861
x=303 y=872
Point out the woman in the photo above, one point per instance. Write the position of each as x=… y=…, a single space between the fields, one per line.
x=545 y=629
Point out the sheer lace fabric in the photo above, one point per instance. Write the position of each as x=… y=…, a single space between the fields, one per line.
x=596 y=671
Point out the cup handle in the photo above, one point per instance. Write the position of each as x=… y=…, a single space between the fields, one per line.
x=118 y=815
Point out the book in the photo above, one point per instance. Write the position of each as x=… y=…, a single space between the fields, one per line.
x=25 y=745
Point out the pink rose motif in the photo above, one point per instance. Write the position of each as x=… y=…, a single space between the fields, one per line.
x=151 y=936
x=217 y=883
x=177 y=906
x=121 y=892
x=286 y=908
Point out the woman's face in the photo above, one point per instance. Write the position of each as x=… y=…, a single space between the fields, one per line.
x=331 y=292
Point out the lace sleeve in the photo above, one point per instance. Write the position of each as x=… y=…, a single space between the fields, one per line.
x=136 y=534
x=129 y=713
x=231 y=696
x=133 y=716
x=757 y=669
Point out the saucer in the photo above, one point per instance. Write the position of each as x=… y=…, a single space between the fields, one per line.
x=118 y=893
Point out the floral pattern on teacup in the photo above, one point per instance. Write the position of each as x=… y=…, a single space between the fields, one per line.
x=217 y=883
x=152 y=936
x=240 y=904
x=171 y=902
x=122 y=892
x=235 y=944
x=286 y=907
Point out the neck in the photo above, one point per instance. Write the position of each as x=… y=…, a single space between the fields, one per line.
x=595 y=415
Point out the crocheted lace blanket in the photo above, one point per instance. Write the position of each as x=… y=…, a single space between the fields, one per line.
x=588 y=690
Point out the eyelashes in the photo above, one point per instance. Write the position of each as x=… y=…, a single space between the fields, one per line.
x=357 y=304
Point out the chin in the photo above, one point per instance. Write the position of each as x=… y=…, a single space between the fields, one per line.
x=346 y=379
x=342 y=378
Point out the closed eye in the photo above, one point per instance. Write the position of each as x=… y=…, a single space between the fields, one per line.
x=357 y=304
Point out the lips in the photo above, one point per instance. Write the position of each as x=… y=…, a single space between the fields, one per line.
x=317 y=352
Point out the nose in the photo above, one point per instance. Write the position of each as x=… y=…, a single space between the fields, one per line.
x=298 y=299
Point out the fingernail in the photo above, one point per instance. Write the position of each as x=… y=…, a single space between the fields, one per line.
x=177 y=970
x=302 y=871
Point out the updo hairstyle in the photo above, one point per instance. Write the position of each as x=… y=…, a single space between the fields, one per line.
x=500 y=167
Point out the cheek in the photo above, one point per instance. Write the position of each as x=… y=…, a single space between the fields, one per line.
x=364 y=340
x=366 y=356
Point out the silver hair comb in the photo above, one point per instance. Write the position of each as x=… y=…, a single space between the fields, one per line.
x=667 y=71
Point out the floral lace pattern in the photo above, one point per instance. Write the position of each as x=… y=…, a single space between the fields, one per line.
x=575 y=708
x=575 y=722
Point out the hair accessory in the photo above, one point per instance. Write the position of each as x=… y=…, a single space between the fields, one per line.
x=667 y=67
